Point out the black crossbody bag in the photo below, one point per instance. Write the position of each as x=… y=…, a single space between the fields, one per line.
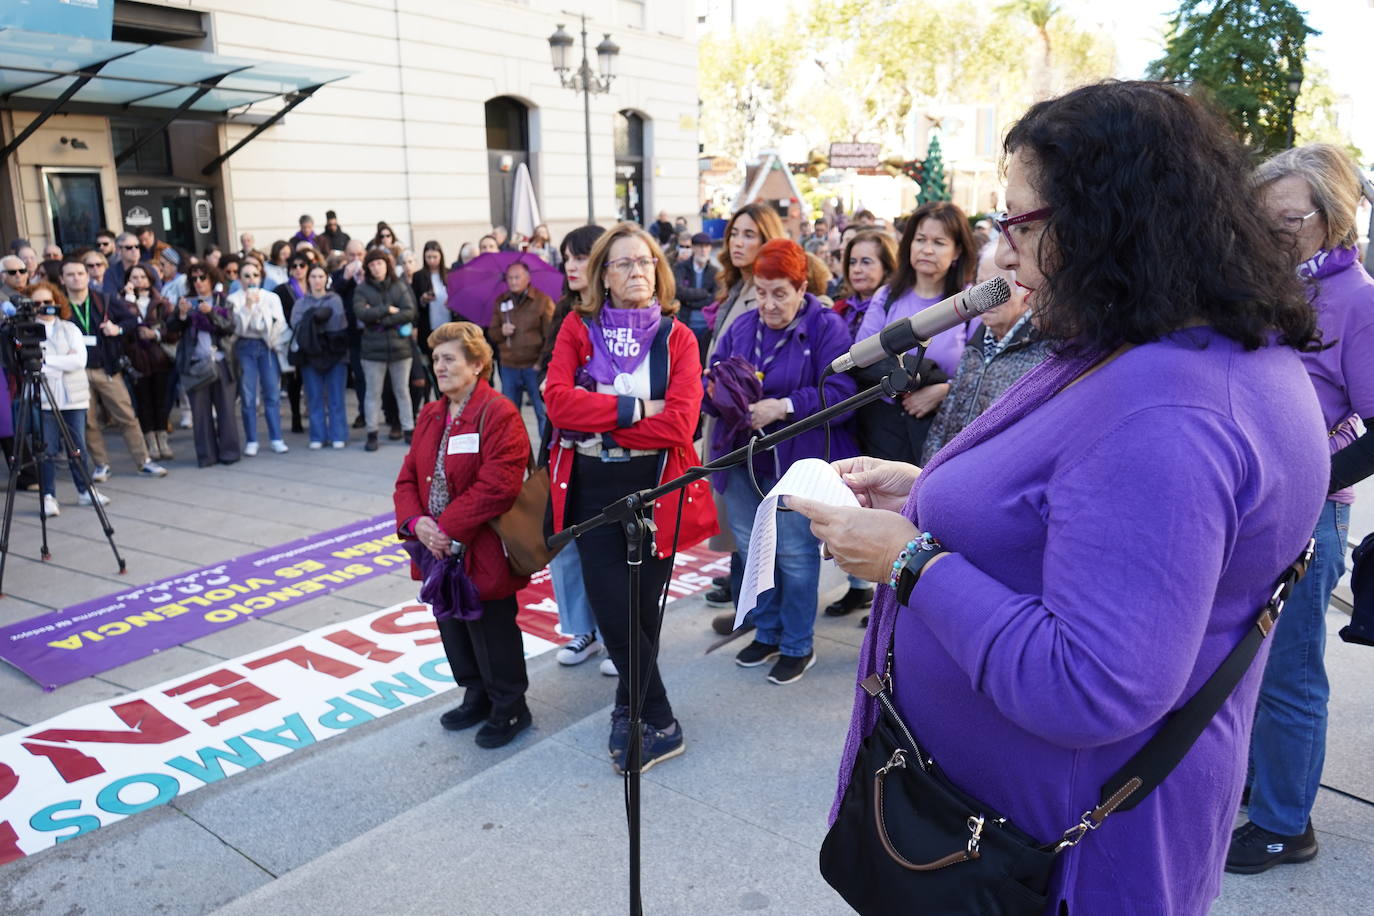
x=908 y=839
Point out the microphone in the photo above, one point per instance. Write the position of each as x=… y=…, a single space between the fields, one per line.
x=905 y=333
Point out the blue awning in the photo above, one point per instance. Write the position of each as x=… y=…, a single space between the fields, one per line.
x=41 y=67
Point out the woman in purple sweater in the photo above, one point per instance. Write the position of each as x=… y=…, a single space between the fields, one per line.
x=1311 y=194
x=1109 y=529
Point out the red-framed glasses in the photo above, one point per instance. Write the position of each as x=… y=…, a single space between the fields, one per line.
x=1005 y=222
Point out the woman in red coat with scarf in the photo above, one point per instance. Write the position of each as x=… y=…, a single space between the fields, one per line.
x=465 y=467
x=623 y=394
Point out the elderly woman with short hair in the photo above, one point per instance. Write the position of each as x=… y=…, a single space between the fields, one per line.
x=1310 y=195
x=464 y=469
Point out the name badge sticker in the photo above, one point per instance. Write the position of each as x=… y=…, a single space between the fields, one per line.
x=88 y=339
x=465 y=444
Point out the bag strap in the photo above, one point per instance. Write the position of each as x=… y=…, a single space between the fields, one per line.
x=1140 y=775
x=481 y=427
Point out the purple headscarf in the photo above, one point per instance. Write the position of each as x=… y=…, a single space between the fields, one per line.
x=1033 y=389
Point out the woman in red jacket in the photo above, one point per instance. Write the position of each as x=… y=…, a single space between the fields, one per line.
x=623 y=394
x=465 y=467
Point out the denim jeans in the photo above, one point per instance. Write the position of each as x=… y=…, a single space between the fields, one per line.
x=574 y=610
x=325 y=393
x=513 y=381
x=55 y=448
x=1288 y=746
x=259 y=370
x=786 y=614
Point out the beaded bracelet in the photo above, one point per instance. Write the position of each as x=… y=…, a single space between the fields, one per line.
x=924 y=541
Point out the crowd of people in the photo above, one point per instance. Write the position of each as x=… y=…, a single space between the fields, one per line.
x=1149 y=442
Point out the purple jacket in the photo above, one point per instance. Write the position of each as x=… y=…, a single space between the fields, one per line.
x=1343 y=374
x=820 y=336
x=945 y=348
x=1107 y=551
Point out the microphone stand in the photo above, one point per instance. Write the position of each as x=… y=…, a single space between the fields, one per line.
x=629 y=513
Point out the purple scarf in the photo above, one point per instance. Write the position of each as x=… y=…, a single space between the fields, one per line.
x=854 y=314
x=1327 y=261
x=444 y=585
x=1033 y=389
x=621 y=340
x=296 y=290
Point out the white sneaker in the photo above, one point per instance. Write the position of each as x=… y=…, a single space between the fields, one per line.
x=101 y=473
x=84 y=497
x=185 y=420
x=338 y=444
x=279 y=446
x=151 y=468
x=50 y=507
x=250 y=449
x=608 y=668
x=315 y=445
x=579 y=650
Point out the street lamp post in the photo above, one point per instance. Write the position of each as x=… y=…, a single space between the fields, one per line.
x=1294 y=88
x=583 y=80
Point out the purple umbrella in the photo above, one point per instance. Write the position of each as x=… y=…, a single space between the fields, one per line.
x=474 y=288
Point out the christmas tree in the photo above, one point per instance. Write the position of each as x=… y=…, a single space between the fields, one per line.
x=933 y=185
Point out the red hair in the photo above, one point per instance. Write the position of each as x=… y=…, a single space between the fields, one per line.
x=782 y=259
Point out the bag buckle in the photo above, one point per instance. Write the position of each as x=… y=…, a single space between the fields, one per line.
x=1075 y=834
x=975 y=826
x=897 y=760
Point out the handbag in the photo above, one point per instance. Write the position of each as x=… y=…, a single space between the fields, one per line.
x=521 y=527
x=907 y=836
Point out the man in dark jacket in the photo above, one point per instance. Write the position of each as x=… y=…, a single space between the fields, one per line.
x=696 y=283
x=129 y=254
x=519 y=327
x=103 y=321
x=333 y=238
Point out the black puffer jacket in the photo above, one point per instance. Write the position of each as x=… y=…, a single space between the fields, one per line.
x=382 y=340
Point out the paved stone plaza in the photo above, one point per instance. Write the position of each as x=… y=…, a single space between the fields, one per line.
x=399 y=816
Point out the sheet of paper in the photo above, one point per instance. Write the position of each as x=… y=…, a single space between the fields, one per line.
x=811 y=478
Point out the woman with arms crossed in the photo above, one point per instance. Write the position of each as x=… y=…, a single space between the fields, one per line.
x=1104 y=535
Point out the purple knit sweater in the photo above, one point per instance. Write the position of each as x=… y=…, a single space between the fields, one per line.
x=1110 y=546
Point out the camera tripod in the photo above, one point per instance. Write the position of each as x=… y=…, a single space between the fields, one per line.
x=28 y=449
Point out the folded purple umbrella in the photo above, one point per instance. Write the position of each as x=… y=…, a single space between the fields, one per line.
x=474 y=288
x=444 y=585
x=737 y=385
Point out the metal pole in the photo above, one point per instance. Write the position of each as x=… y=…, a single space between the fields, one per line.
x=586 y=76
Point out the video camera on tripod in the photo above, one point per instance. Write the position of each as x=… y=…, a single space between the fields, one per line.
x=22 y=336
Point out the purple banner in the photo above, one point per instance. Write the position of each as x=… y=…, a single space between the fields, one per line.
x=67 y=645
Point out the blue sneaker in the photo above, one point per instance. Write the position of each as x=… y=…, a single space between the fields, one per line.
x=620 y=732
x=659 y=745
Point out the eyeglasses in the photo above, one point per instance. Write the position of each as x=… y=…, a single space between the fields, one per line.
x=1005 y=222
x=198 y=276
x=128 y=247
x=90 y=264
x=1294 y=223
x=17 y=270
x=300 y=265
x=625 y=265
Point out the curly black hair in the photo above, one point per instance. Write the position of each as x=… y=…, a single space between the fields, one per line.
x=1156 y=225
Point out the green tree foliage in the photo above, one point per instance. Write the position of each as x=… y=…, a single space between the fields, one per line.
x=1243 y=52
x=858 y=70
x=933 y=175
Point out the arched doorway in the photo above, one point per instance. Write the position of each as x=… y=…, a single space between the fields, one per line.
x=631 y=197
x=508 y=145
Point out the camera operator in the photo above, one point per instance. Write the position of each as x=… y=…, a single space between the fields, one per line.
x=102 y=321
x=14 y=278
x=67 y=396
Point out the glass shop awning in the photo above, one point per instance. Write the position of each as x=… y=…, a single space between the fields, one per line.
x=56 y=73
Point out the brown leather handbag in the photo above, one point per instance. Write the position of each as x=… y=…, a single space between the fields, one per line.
x=521 y=527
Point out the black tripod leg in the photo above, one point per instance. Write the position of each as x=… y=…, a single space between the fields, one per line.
x=75 y=454
x=635 y=533
x=21 y=444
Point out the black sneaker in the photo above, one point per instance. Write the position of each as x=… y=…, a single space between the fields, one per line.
x=372 y=443
x=853 y=600
x=467 y=715
x=1254 y=849
x=360 y=423
x=755 y=654
x=620 y=732
x=658 y=745
x=410 y=434
x=720 y=596
x=499 y=732
x=790 y=668
x=721 y=581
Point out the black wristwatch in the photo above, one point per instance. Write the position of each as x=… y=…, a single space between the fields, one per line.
x=919 y=560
